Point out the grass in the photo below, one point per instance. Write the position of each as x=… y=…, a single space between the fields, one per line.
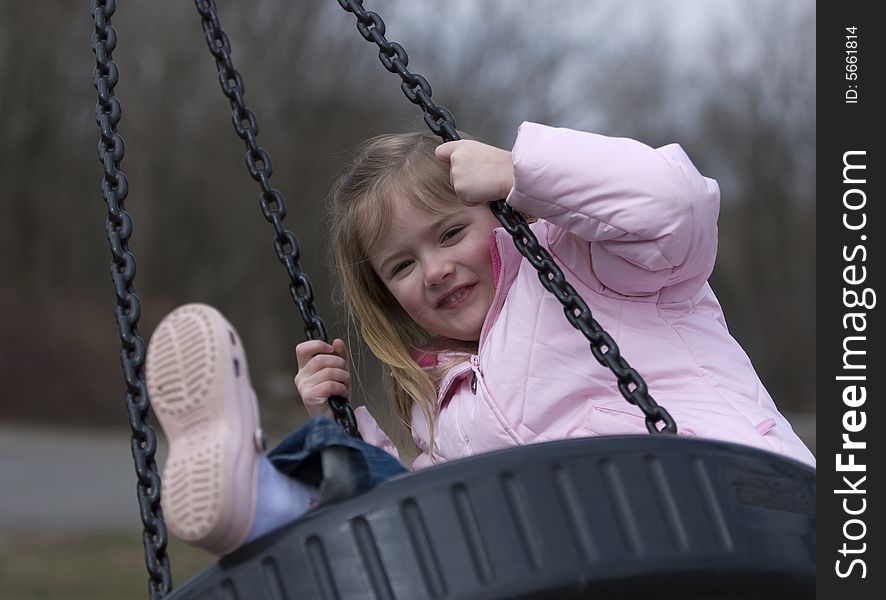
x=106 y=565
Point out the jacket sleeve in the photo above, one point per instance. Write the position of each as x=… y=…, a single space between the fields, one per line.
x=648 y=215
x=372 y=433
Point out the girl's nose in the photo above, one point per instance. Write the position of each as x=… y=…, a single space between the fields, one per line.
x=436 y=272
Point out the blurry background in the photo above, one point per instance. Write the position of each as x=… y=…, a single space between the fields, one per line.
x=732 y=81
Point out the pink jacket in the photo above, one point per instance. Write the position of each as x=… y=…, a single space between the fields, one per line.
x=634 y=230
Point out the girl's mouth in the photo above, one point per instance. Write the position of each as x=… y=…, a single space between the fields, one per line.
x=457 y=297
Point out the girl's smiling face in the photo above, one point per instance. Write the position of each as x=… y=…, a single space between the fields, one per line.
x=438 y=267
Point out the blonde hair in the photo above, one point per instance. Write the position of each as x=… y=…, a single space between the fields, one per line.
x=387 y=169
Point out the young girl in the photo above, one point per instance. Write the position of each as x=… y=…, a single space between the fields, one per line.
x=479 y=356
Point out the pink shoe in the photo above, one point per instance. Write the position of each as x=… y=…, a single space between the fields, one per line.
x=198 y=382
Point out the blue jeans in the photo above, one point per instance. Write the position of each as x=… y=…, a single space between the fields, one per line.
x=300 y=455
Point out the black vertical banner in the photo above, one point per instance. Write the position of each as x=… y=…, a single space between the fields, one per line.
x=850 y=438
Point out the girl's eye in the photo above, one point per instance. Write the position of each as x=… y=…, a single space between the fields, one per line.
x=399 y=267
x=450 y=233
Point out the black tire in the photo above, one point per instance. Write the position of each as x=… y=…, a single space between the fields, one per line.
x=626 y=517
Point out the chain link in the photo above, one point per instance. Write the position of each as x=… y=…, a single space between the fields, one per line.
x=417 y=89
x=273 y=204
x=115 y=187
x=393 y=57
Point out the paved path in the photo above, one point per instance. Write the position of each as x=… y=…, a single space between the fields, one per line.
x=63 y=479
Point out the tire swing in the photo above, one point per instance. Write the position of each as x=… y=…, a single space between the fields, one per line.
x=627 y=516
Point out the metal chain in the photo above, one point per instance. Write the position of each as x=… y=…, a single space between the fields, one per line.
x=273 y=204
x=115 y=188
x=417 y=89
x=393 y=57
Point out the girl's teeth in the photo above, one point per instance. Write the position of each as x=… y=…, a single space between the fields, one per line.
x=455 y=297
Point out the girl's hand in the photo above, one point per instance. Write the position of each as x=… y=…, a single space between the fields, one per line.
x=479 y=172
x=322 y=372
